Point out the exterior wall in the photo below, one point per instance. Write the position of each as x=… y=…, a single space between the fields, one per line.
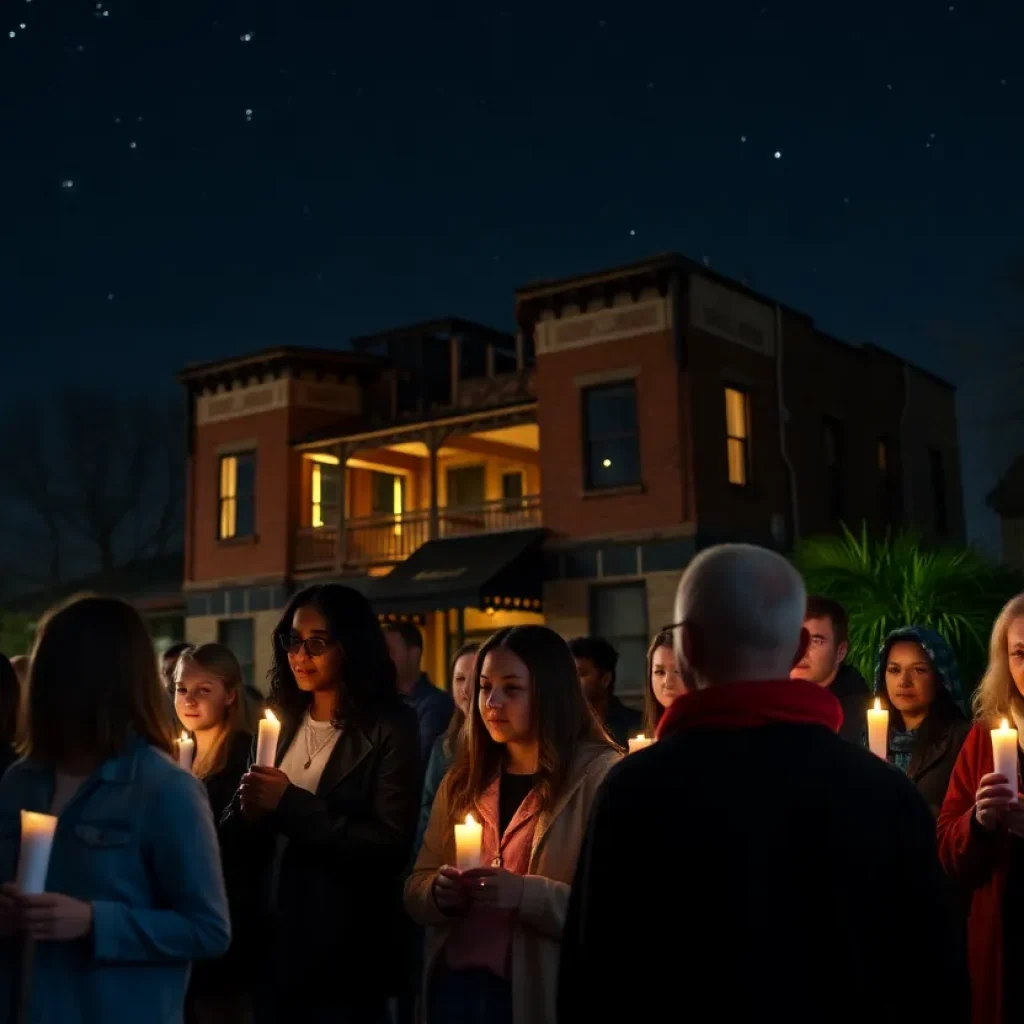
x=586 y=348
x=204 y=629
x=1013 y=542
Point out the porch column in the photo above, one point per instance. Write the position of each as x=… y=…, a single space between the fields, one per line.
x=340 y=547
x=434 y=438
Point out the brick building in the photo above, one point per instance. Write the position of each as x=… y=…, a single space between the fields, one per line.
x=470 y=479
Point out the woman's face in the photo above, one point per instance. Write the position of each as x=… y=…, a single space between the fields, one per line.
x=910 y=678
x=462 y=682
x=1015 y=651
x=321 y=669
x=666 y=682
x=505 y=699
x=201 y=700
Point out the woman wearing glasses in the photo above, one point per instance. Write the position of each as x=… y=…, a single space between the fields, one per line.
x=334 y=821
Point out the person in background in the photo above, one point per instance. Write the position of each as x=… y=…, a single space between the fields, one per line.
x=918 y=675
x=169 y=662
x=780 y=844
x=664 y=681
x=210 y=703
x=433 y=707
x=531 y=762
x=134 y=887
x=10 y=712
x=824 y=663
x=330 y=829
x=596 y=662
x=445 y=747
x=981 y=831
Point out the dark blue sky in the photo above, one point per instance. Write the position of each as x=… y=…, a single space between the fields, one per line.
x=406 y=160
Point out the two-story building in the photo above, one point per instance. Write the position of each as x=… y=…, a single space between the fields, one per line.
x=470 y=479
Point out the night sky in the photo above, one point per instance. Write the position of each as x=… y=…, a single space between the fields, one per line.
x=190 y=180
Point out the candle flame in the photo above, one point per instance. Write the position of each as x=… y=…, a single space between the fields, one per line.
x=269 y=716
x=640 y=737
x=1005 y=725
x=878 y=704
x=184 y=737
x=470 y=820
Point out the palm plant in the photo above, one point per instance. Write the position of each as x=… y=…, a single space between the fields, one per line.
x=899 y=581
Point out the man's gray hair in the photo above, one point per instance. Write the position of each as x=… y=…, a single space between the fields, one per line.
x=748 y=605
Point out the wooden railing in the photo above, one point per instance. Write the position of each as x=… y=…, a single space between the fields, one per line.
x=380 y=540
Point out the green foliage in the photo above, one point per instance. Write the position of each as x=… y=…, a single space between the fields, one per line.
x=16 y=633
x=899 y=581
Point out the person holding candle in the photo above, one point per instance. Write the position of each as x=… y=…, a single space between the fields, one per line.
x=134 y=890
x=917 y=675
x=209 y=700
x=519 y=793
x=331 y=826
x=664 y=681
x=981 y=829
x=779 y=854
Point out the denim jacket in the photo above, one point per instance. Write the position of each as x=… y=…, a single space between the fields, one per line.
x=137 y=841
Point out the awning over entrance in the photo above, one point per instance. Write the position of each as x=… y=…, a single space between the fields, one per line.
x=499 y=570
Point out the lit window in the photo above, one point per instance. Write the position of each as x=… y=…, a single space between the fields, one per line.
x=324 y=491
x=237 y=496
x=737 y=432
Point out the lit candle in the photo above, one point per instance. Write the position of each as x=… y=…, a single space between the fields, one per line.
x=639 y=742
x=878 y=730
x=186 y=748
x=34 y=855
x=266 y=741
x=1004 y=753
x=469 y=841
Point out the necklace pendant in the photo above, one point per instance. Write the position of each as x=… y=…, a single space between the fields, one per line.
x=308 y=763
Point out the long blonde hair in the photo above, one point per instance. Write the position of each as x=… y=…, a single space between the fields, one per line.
x=997 y=695
x=218 y=661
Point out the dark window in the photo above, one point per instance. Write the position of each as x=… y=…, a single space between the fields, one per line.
x=387 y=494
x=737 y=436
x=618 y=612
x=940 y=511
x=466 y=486
x=835 y=467
x=236 y=513
x=890 y=490
x=237 y=634
x=610 y=438
x=512 y=486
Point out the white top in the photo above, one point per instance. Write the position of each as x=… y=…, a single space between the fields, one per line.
x=65 y=787
x=313 y=743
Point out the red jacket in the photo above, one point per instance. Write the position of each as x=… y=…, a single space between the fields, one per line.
x=979 y=861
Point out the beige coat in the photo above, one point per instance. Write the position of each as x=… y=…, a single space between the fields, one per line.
x=536 y=942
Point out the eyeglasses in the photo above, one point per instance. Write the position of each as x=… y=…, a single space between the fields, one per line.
x=314 y=645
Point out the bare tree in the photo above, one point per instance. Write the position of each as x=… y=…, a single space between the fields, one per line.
x=96 y=478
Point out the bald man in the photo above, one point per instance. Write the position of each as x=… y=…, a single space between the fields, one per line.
x=751 y=865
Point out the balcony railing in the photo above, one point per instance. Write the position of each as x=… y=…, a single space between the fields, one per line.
x=381 y=540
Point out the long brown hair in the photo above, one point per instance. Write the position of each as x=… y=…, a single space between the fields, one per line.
x=458 y=719
x=652 y=709
x=562 y=719
x=93 y=683
x=218 y=661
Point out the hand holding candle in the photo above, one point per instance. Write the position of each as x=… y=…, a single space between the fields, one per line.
x=469 y=839
x=639 y=743
x=186 y=748
x=34 y=855
x=1004 y=754
x=878 y=730
x=266 y=742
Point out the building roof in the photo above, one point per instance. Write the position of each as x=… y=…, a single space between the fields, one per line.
x=447 y=325
x=273 y=360
x=1006 y=499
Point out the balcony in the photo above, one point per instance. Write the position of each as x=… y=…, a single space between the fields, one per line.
x=386 y=540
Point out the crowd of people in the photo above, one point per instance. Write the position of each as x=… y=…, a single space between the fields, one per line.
x=753 y=859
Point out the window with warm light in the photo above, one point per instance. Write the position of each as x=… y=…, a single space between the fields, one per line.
x=236 y=512
x=737 y=433
x=325 y=491
x=611 y=442
x=387 y=493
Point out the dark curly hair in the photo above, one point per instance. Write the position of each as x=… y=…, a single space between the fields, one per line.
x=368 y=680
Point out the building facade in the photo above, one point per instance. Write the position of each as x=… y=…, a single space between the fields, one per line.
x=468 y=479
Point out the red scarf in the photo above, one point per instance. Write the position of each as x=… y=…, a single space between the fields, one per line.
x=747 y=705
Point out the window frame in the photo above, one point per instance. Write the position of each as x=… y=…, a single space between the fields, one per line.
x=743 y=440
x=234 y=501
x=248 y=665
x=624 y=384
x=594 y=592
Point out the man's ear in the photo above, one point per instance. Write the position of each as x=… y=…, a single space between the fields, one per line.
x=805 y=642
x=842 y=650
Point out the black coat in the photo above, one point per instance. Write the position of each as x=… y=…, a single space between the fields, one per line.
x=332 y=867
x=754 y=874
x=621 y=721
x=934 y=756
x=852 y=692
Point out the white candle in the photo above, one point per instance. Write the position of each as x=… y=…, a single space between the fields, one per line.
x=1004 y=753
x=469 y=840
x=34 y=855
x=186 y=748
x=639 y=742
x=266 y=741
x=878 y=730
